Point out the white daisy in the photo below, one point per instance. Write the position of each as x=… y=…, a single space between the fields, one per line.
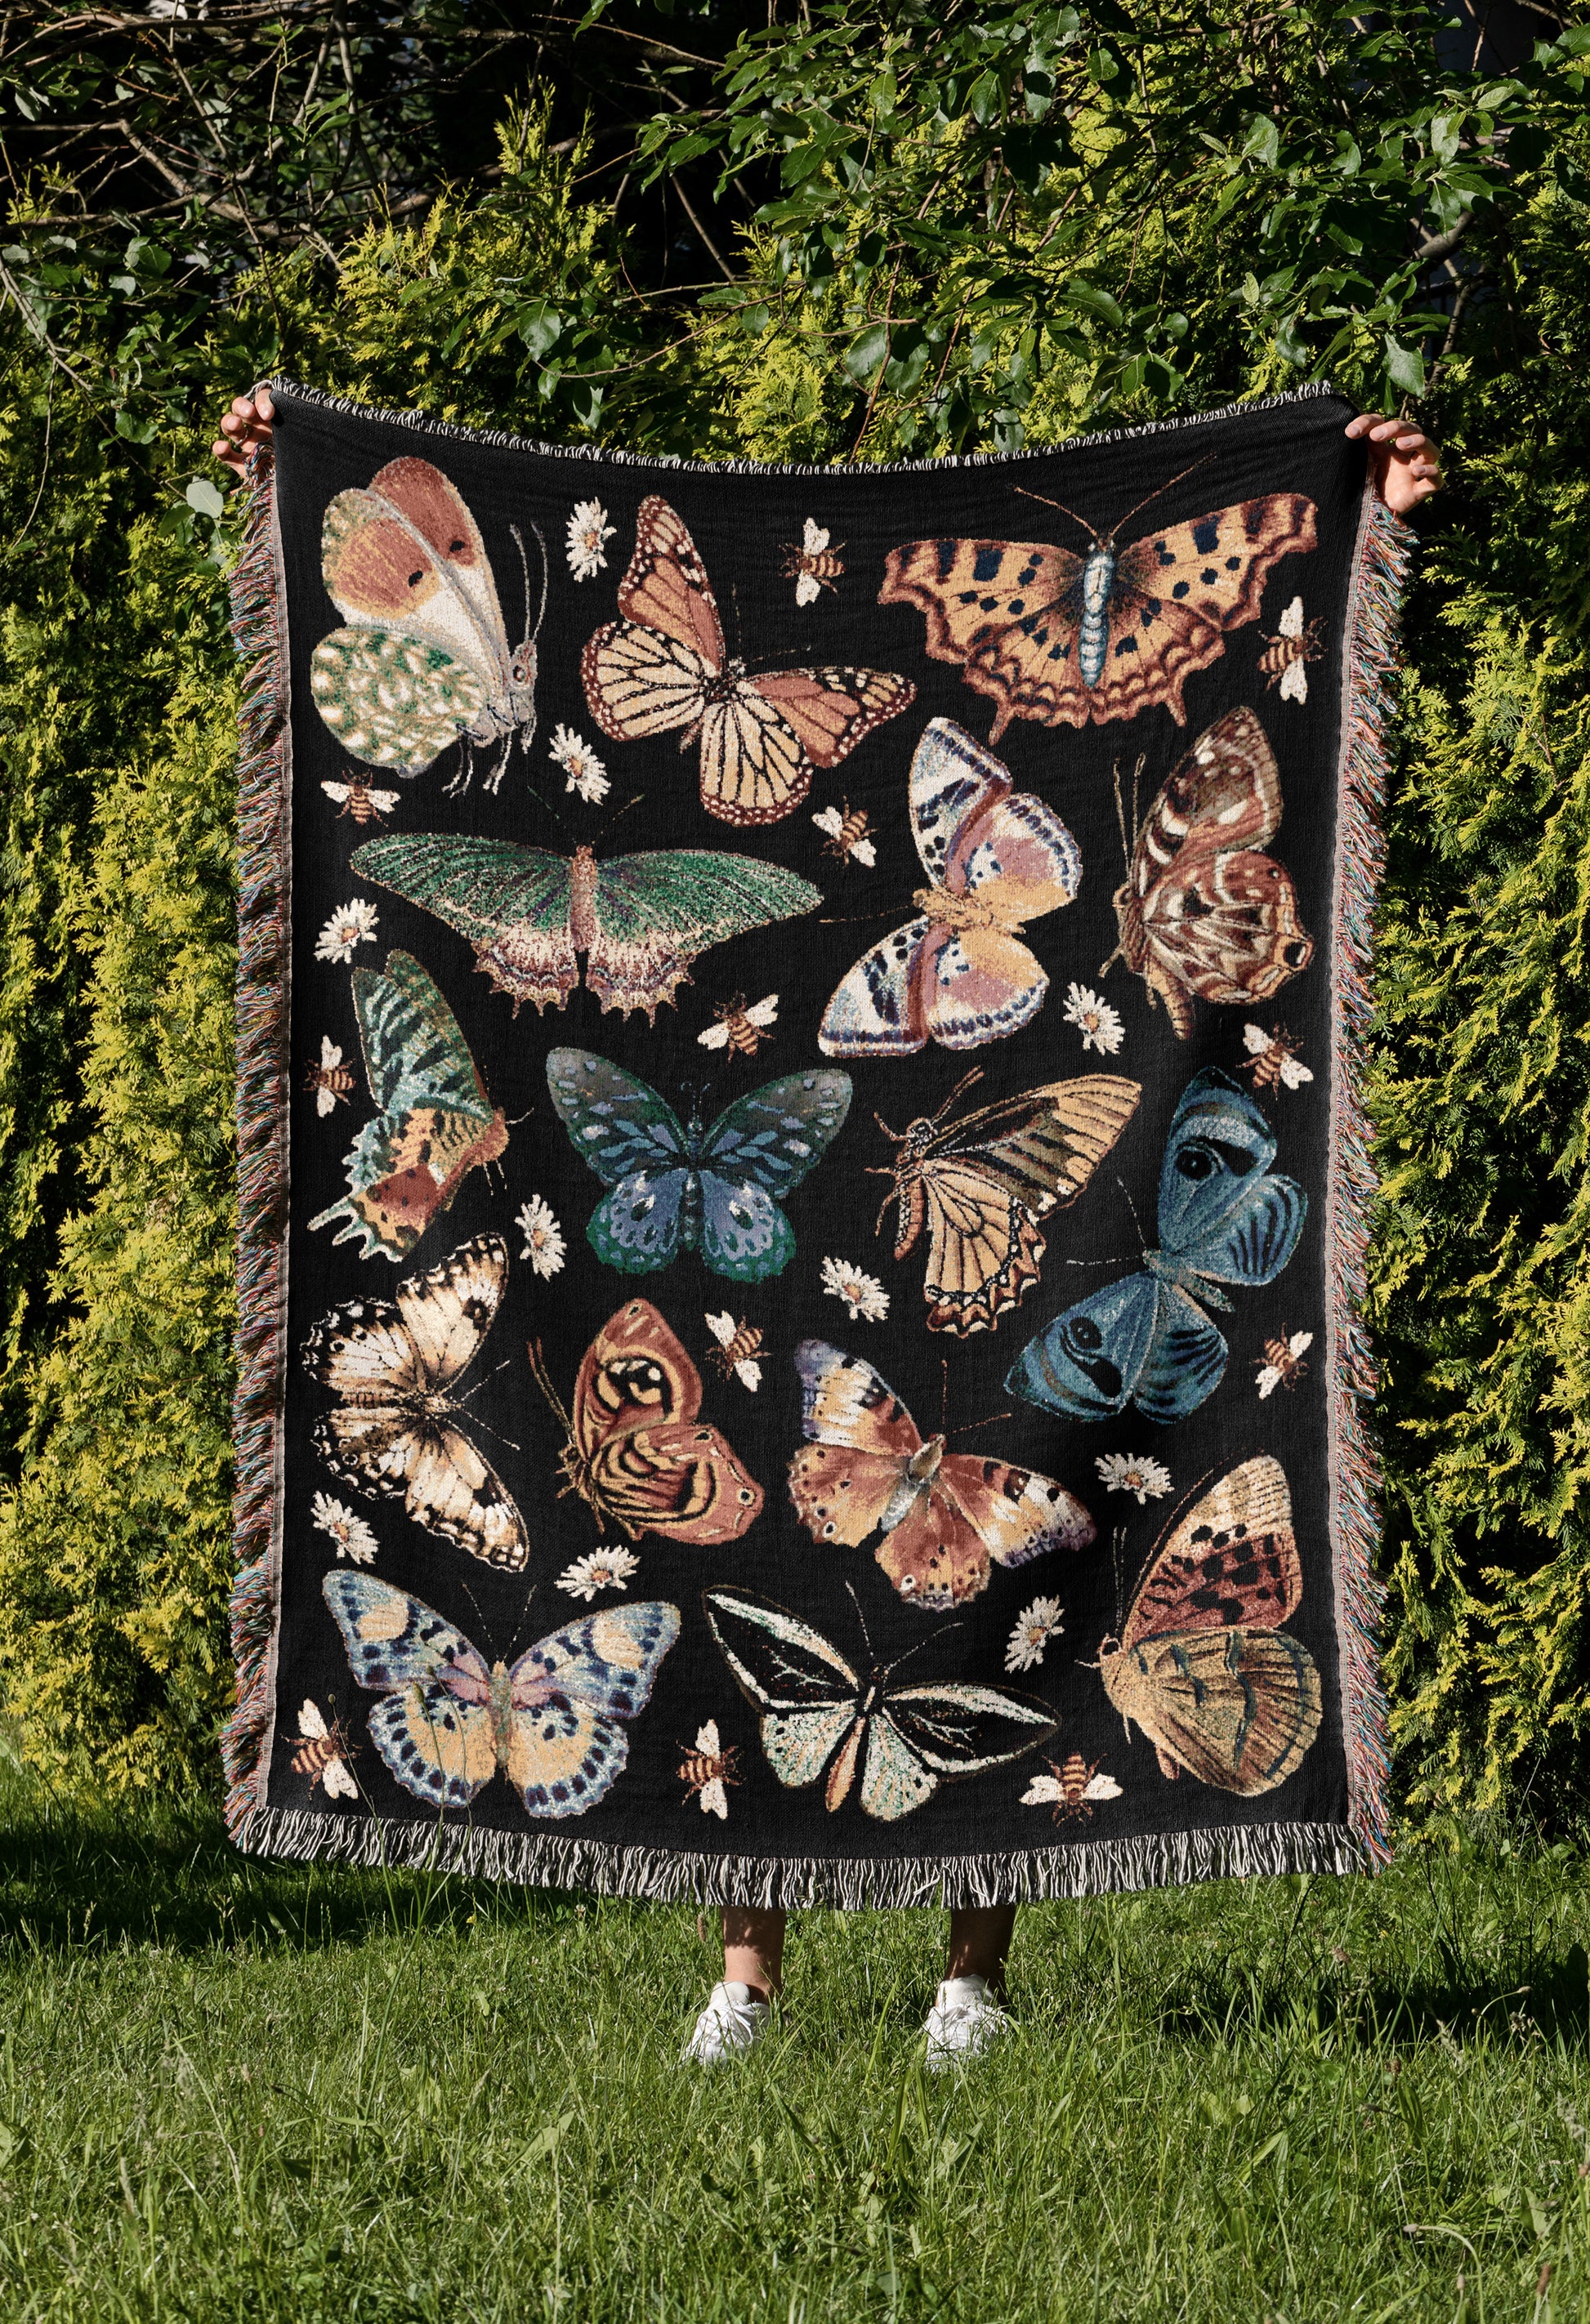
x=1033 y=1630
x=1133 y=1473
x=543 y=1237
x=586 y=773
x=347 y=1529
x=599 y=1568
x=1100 y=1028
x=589 y=535
x=349 y=925
x=864 y=1294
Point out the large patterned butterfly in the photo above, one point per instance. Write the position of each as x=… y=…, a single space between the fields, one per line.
x=1203 y=1666
x=682 y=1186
x=981 y=1184
x=996 y=858
x=397 y=1429
x=1202 y=911
x=1061 y=639
x=664 y=666
x=637 y=1448
x=449 y=1721
x=942 y=1517
x=435 y=1122
x=641 y=920
x=818 y=1712
x=424 y=661
x=1222 y=1218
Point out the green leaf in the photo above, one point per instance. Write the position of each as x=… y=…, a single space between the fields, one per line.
x=1446 y=129
x=753 y=320
x=1262 y=143
x=1102 y=67
x=1404 y=366
x=863 y=355
x=540 y=327
x=205 y=496
x=1089 y=299
x=984 y=99
x=135 y=431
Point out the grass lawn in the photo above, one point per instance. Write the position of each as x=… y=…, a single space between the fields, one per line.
x=235 y=2091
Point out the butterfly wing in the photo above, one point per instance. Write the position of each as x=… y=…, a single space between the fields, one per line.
x=844 y=1479
x=1237 y=1709
x=928 y=1734
x=1009 y=612
x=654 y=1465
x=434 y=1728
x=1224 y=1217
x=877 y=1011
x=807 y=1694
x=512 y=903
x=654 y=913
x=1087 y=1363
x=650 y=671
x=1016 y=1514
x=393 y=701
x=567 y=1696
x=756 y=1152
x=1231 y=1560
x=1186 y=1362
x=632 y=1139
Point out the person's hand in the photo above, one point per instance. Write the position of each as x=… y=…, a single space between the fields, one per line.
x=247 y=423
x=1405 y=465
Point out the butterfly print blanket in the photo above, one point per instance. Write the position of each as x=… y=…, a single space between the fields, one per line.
x=803 y=1182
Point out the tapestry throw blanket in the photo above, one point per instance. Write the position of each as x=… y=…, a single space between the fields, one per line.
x=803 y=1182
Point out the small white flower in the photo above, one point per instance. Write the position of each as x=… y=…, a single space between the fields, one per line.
x=1033 y=1630
x=589 y=535
x=864 y=1294
x=586 y=773
x=599 y=1568
x=1100 y=1028
x=349 y=925
x=347 y=1529
x=1122 y=1474
x=543 y=1237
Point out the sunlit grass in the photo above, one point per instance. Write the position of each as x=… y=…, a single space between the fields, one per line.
x=259 y=2092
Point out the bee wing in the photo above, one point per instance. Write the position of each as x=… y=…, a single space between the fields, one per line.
x=715 y=1799
x=706 y=1739
x=1295 y=1075
x=325 y=1102
x=808 y=589
x=336 y=793
x=722 y=1327
x=750 y=1373
x=716 y=1037
x=1103 y=1787
x=1269 y=1380
x=1301 y=1343
x=1042 y=1792
x=330 y=1055
x=816 y=538
x=1256 y=1040
x=765 y=1012
x=340 y=1784
x=829 y=819
x=310 y=1722
x=1291 y=621
x=383 y=802
x=865 y=852
x=1294 y=681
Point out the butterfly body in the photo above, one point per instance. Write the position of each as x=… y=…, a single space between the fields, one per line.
x=1203 y=1666
x=1203 y=913
x=942 y=1519
x=1224 y=1219
x=322 y=1753
x=551 y=1722
x=708 y=1769
x=997 y=859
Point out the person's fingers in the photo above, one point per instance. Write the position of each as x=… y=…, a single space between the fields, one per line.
x=263 y=406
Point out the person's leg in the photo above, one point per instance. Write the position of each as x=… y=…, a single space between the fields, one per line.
x=979 y=1941
x=966 y=2015
x=753 y=1947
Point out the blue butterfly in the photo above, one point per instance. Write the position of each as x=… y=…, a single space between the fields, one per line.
x=1223 y=1218
x=678 y=1187
x=450 y=1720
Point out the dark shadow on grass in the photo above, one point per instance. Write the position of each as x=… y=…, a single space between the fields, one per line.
x=1537 y=1995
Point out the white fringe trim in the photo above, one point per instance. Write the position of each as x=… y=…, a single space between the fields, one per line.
x=1064 y=1868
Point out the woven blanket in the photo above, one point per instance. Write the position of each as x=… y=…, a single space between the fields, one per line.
x=803 y=1183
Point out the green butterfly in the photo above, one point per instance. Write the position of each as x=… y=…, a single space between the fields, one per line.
x=639 y=919
x=435 y=1123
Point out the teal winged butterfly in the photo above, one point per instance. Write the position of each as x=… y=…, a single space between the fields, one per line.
x=434 y=1123
x=641 y=920
x=687 y=1186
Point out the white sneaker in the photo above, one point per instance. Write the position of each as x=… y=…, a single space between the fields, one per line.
x=962 y=2022
x=732 y=2020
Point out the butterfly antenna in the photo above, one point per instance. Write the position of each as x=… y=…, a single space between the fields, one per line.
x=856 y=920
x=963 y=1083
x=1158 y=493
x=523 y=1625
x=513 y=1120
x=615 y=819
x=1118 y=1543
x=967 y=1426
x=861 y=1617
x=943 y=1396
x=1099 y=537
x=905 y=1657
x=531 y=635
x=543 y=1380
x=1121 y=826
x=1136 y=1221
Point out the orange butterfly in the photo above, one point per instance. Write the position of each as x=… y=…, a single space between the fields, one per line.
x=663 y=666
x=1202 y=911
x=943 y=1515
x=637 y=1450
x=1061 y=639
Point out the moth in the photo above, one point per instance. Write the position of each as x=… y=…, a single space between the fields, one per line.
x=636 y=1448
x=1274 y=1058
x=330 y=1080
x=822 y=1719
x=811 y=564
x=682 y=1186
x=738 y=1349
x=424 y=660
x=741 y=1029
x=1061 y=639
x=553 y=1721
x=1203 y=1666
x=981 y=1184
x=708 y=1769
x=1073 y=1788
x=1287 y=655
x=396 y=1428
x=434 y=1122
x=322 y=1753
x=1284 y=1365
x=356 y=797
x=958 y=974
x=663 y=667
x=1203 y=914
x=846 y=834
x=943 y=1519
x=641 y=920
x=1224 y=1217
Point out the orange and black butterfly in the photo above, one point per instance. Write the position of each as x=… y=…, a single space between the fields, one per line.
x=637 y=1448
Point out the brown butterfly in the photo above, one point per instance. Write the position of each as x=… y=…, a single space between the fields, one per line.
x=637 y=1450
x=1061 y=639
x=1203 y=1665
x=1202 y=911
x=982 y=1183
x=942 y=1517
x=664 y=666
